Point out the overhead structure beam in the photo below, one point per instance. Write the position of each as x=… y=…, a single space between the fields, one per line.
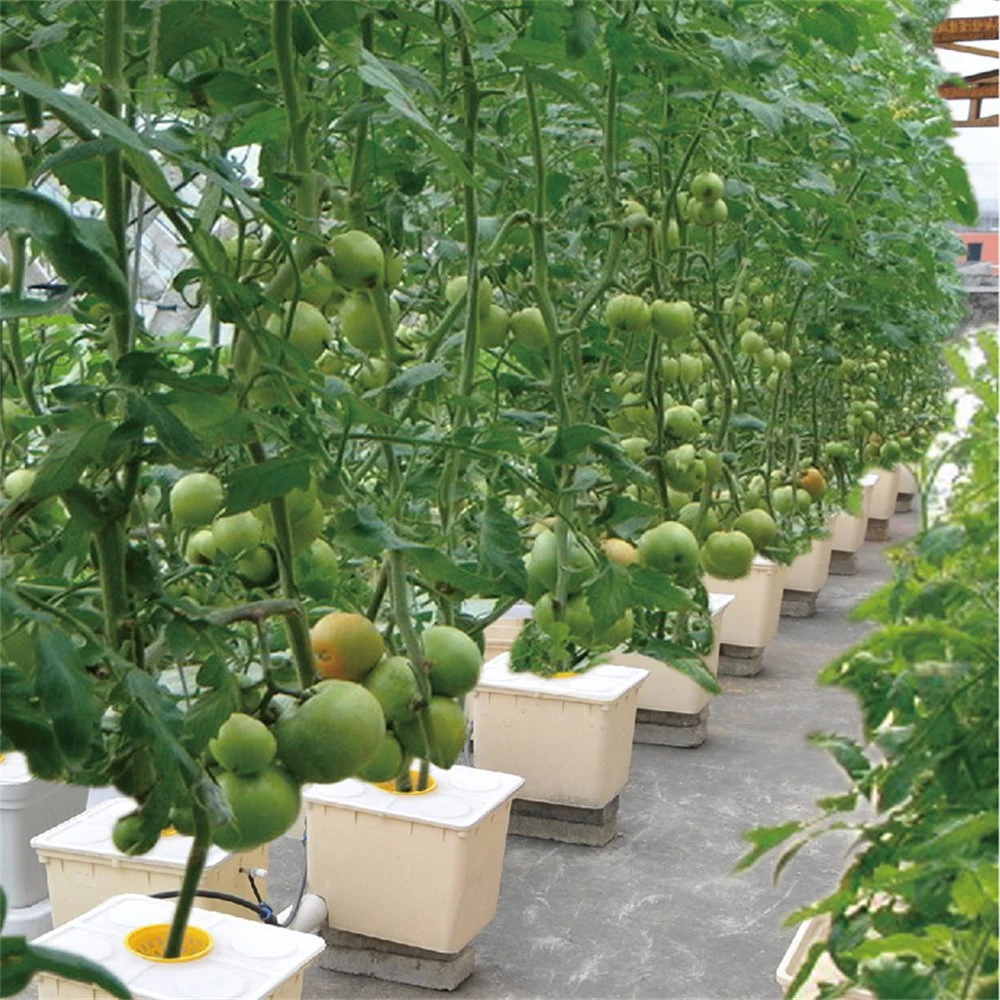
x=978 y=87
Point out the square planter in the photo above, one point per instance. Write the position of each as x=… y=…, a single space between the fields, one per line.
x=824 y=971
x=501 y=634
x=667 y=690
x=805 y=577
x=570 y=738
x=252 y=961
x=884 y=496
x=29 y=806
x=907 y=485
x=751 y=621
x=83 y=866
x=421 y=870
x=848 y=530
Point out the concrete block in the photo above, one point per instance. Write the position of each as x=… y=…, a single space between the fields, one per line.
x=904 y=503
x=567 y=824
x=671 y=729
x=843 y=564
x=358 y=955
x=798 y=604
x=740 y=661
x=878 y=529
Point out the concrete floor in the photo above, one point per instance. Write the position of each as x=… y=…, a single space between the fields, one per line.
x=658 y=912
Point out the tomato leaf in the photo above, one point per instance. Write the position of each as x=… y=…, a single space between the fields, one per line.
x=263 y=482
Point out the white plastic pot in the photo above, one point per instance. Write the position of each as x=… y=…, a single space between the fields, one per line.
x=252 y=961
x=884 y=495
x=824 y=971
x=27 y=807
x=808 y=572
x=500 y=636
x=570 y=738
x=848 y=530
x=667 y=689
x=84 y=867
x=419 y=869
x=752 y=619
x=907 y=481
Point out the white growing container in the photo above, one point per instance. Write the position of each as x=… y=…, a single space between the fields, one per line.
x=668 y=690
x=848 y=530
x=824 y=971
x=251 y=961
x=500 y=636
x=420 y=869
x=884 y=494
x=570 y=738
x=84 y=867
x=752 y=619
x=808 y=572
x=27 y=807
x=907 y=481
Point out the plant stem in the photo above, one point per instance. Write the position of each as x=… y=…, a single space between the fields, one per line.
x=115 y=209
x=192 y=876
x=18 y=247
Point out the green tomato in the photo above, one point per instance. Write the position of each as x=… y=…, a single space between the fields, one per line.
x=752 y=343
x=494 y=327
x=635 y=448
x=628 y=313
x=691 y=369
x=195 y=499
x=674 y=321
x=783 y=499
x=683 y=422
x=707 y=187
x=310 y=332
x=234 y=535
x=258 y=567
x=720 y=212
x=673 y=235
x=529 y=329
x=727 y=555
x=456 y=289
x=201 y=549
x=359 y=323
x=12 y=173
x=356 y=260
x=670 y=547
x=782 y=361
x=670 y=368
x=317 y=570
x=758 y=526
x=17 y=483
x=689 y=518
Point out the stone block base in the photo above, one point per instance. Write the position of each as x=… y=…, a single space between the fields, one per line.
x=567 y=824
x=904 y=503
x=843 y=564
x=671 y=729
x=358 y=955
x=740 y=661
x=797 y=604
x=878 y=529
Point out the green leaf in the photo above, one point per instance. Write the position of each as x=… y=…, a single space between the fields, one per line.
x=72 y=250
x=685 y=661
x=764 y=839
x=170 y=431
x=66 y=692
x=69 y=454
x=570 y=442
x=411 y=378
x=91 y=118
x=609 y=596
x=445 y=575
x=263 y=482
x=376 y=73
x=768 y=115
x=365 y=532
x=23 y=722
x=565 y=88
x=845 y=752
x=185 y=29
x=651 y=589
x=67 y=965
x=12 y=307
x=499 y=549
x=835 y=23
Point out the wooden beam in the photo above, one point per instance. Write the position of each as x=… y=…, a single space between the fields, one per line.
x=967 y=29
x=992 y=122
x=979 y=91
x=968 y=49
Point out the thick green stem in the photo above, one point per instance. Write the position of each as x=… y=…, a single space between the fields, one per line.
x=115 y=209
x=200 y=847
x=306 y=190
x=470 y=349
x=355 y=201
x=18 y=246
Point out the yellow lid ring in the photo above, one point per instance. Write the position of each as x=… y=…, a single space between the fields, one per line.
x=151 y=941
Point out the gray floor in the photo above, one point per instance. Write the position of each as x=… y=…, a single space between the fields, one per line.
x=658 y=912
